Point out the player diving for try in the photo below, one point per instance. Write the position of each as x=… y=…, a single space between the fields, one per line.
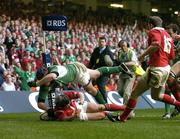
x=57 y=76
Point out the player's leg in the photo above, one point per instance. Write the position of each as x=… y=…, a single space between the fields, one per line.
x=117 y=69
x=127 y=92
x=156 y=94
x=176 y=90
x=90 y=111
x=167 y=114
x=95 y=108
x=176 y=94
x=158 y=78
x=141 y=87
x=93 y=116
x=165 y=98
x=92 y=107
x=87 y=114
x=101 y=83
x=121 y=83
x=94 y=92
x=94 y=74
x=125 y=89
x=84 y=78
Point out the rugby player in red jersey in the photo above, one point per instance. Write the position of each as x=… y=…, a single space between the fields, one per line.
x=68 y=108
x=160 y=51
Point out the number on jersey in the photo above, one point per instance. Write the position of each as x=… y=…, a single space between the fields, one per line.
x=167 y=44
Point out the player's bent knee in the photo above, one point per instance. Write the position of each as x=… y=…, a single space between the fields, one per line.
x=101 y=107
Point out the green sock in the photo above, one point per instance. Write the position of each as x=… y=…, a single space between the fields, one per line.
x=167 y=108
x=99 y=98
x=109 y=70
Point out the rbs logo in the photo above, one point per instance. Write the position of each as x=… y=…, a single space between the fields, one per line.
x=54 y=23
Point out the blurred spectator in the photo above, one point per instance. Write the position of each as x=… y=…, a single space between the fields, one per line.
x=25 y=76
x=22 y=36
x=8 y=84
x=71 y=57
x=112 y=85
x=98 y=60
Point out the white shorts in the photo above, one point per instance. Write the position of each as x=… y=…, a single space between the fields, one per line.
x=160 y=74
x=83 y=77
x=83 y=115
x=82 y=107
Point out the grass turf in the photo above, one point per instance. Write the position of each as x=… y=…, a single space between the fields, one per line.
x=146 y=125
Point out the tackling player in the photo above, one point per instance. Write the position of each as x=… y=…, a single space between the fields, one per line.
x=160 y=51
x=173 y=84
x=172 y=29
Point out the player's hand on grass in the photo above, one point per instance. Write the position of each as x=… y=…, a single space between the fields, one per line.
x=50 y=113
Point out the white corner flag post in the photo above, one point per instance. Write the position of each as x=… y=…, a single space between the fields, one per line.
x=51 y=23
x=45 y=54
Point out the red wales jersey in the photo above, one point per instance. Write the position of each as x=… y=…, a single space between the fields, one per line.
x=161 y=57
x=68 y=112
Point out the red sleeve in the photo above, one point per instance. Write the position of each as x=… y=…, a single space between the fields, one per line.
x=154 y=37
x=72 y=95
x=67 y=114
x=172 y=53
x=60 y=115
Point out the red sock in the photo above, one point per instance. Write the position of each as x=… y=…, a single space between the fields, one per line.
x=168 y=99
x=130 y=106
x=176 y=91
x=177 y=96
x=114 y=107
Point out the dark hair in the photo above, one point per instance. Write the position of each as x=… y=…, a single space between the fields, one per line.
x=62 y=101
x=174 y=27
x=123 y=41
x=41 y=73
x=102 y=38
x=156 y=21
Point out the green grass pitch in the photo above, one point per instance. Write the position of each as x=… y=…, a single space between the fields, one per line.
x=146 y=125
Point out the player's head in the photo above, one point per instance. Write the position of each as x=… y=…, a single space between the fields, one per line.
x=102 y=41
x=172 y=28
x=155 y=21
x=124 y=45
x=61 y=101
x=41 y=72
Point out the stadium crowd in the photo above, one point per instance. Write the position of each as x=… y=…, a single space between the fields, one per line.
x=21 y=41
x=21 y=44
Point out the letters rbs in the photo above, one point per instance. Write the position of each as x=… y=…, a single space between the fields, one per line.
x=54 y=23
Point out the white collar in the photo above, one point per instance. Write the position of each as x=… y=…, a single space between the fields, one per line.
x=159 y=28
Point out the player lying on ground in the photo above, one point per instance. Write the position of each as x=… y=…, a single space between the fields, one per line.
x=68 y=108
x=58 y=76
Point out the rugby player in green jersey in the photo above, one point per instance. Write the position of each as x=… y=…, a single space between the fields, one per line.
x=58 y=76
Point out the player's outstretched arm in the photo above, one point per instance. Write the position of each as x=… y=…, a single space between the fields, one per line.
x=44 y=81
x=47 y=79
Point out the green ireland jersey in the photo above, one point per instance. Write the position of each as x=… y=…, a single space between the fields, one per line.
x=65 y=74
